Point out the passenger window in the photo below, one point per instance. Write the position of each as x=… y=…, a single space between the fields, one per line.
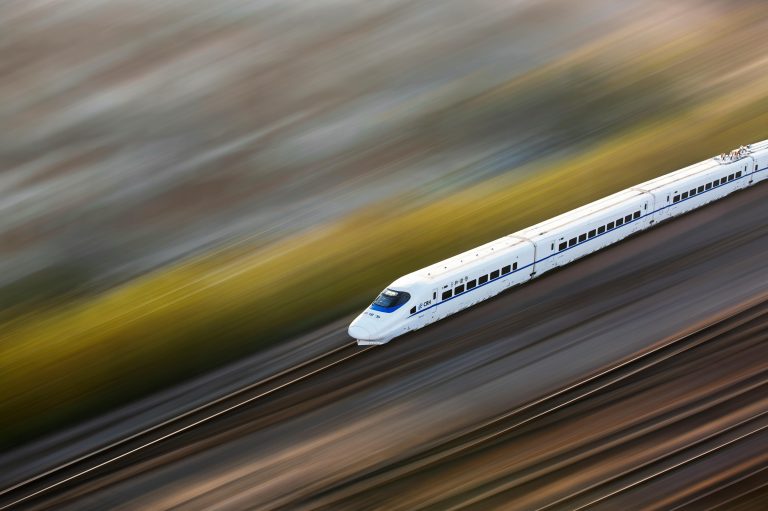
x=447 y=294
x=627 y=218
x=685 y=195
x=692 y=192
x=514 y=266
x=592 y=233
x=459 y=289
x=611 y=225
x=601 y=229
x=571 y=242
x=676 y=198
x=730 y=178
x=619 y=222
x=708 y=186
x=506 y=269
x=413 y=310
x=636 y=215
x=563 y=246
x=471 y=284
x=738 y=174
x=483 y=279
x=494 y=274
x=700 y=189
x=582 y=237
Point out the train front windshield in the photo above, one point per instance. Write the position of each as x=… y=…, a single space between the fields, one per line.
x=390 y=298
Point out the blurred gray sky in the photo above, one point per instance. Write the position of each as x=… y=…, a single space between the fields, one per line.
x=136 y=132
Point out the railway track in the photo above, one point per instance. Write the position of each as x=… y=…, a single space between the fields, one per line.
x=28 y=490
x=748 y=322
x=729 y=493
x=746 y=431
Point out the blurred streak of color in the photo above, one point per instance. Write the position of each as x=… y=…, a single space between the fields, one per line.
x=138 y=133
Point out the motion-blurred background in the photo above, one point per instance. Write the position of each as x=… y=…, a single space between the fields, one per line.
x=183 y=182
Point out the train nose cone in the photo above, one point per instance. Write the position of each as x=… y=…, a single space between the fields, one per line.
x=358 y=332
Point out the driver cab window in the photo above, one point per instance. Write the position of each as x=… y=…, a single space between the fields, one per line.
x=390 y=298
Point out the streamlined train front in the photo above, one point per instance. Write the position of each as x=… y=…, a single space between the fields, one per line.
x=386 y=318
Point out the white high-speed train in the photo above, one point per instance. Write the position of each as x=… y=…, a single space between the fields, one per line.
x=432 y=293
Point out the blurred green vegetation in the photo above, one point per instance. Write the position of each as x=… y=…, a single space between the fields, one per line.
x=59 y=366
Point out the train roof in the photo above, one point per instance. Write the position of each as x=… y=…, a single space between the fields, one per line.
x=436 y=271
x=679 y=175
x=704 y=166
x=758 y=146
x=577 y=214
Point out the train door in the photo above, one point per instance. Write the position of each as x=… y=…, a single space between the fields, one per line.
x=666 y=198
x=751 y=166
x=428 y=309
x=649 y=207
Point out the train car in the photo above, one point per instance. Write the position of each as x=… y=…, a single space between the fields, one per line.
x=437 y=291
x=573 y=235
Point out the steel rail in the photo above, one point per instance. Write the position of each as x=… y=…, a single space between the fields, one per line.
x=177 y=419
x=675 y=466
